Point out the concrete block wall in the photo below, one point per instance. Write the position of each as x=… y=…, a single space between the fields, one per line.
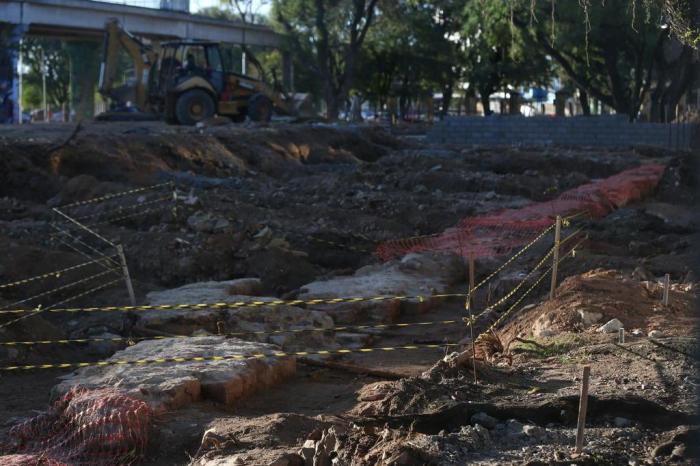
x=607 y=130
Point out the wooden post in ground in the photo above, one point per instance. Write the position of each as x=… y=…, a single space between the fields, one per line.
x=174 y=209
x=472 y=274
x=470 y=303
x=127 y=277
x=555 y=262
x=667 y=288
x=582 y=406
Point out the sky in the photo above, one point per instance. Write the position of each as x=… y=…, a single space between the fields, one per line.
x=199 y=4
x=195 y=5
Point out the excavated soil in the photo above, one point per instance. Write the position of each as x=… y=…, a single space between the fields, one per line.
x=295 y=204
x=585 y=302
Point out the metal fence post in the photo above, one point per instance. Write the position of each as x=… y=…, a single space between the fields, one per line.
x=127 y=277
x=555 y=262
x=582 y=407
x=667 y=288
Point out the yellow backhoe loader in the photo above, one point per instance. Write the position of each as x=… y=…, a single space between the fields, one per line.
x=183 y=81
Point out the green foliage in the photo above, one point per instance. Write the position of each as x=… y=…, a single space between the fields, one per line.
x=549 y=347
x=683 y=17
x=235 y=10
x=606 y=49
x=31 y=96
x=414 y=49
x=270 y=60
x=326 y=37
x=499 y=53
x=57 y=70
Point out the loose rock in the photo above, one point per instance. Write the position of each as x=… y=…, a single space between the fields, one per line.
x=611 y=326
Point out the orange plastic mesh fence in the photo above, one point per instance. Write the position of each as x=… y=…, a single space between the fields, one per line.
x=500 y=232
x=481 y=238
x=100 y=427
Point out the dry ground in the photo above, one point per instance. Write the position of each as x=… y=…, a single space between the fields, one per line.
x=293 y=204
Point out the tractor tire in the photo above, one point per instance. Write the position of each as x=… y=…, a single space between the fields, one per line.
x=260 y=108
x=194 y=106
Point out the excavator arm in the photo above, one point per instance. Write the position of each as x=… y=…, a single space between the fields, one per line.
x=142 y=56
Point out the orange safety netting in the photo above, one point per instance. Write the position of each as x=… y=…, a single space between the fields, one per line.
x=498 y=233
x=100 y=427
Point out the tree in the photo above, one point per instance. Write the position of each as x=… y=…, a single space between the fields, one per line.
x=327 y=36
x=683 y=18
x=249 y=10
x=499 y=55
x=267 y=64
x=413 y=50
x=440 y=44
x=392 y=60
x=612 y=51
x=607 y=50
x=56 y=62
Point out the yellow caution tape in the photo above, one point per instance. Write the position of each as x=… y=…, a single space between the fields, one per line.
x=53 y=274
x=239 y=304
x=571 y=253
x=472 y=319
x=235 y=334
x=236 y=357
x=121 y=209
x=63 y=287
x=84 y=227
x=124 y=217
x=39 y=310
x=119 y=194
x=513 y=258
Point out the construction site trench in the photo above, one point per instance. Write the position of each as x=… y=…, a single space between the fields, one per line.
x=299 y=294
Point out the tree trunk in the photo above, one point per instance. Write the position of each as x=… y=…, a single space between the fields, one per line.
x=403 y=107
x=583 y=99
x=446 y=100
x=486 y=103
x=356 y=109
x=332 y=106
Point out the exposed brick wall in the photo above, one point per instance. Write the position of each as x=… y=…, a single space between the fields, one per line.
x=608 y=130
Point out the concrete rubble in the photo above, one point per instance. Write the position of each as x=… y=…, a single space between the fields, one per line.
x=414 y=275
x=259 y=322
x=174 y=385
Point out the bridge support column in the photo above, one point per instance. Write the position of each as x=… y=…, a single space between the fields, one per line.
x=10 y=80
x=84 y=72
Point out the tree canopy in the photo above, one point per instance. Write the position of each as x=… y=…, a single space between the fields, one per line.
x=613 y=52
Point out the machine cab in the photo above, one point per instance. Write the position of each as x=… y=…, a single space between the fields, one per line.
x=183 y=65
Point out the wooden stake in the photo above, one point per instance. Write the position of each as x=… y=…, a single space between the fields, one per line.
x=470 y=304
x=125 y=271
x=582 y=406
x=555 y=262
x=667 y=288
x=472 y=274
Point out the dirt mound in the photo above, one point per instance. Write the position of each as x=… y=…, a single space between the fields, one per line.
x=21 y=177
x=31 y=164
x=123 y=153
x=406 y=396
x=584 y=302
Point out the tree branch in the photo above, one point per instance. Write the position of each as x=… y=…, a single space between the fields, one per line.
x=579 y=80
